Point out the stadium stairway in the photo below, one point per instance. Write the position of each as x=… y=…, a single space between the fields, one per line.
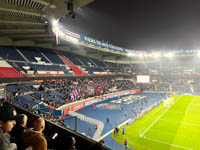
x=77 y=70
x=89 y=120
x=21 y=54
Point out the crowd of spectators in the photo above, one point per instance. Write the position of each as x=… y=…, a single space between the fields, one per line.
x=15 y=135
x=172 y=84
x=58 y=92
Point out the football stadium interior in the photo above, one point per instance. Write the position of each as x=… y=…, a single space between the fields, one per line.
x=100 y=95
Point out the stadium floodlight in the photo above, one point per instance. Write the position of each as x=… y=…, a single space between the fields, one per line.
x=55 y=22
x=148 y=55
x=131 y=54
x=156 y=55
x=169 y=55
x=61 y=33
x=198 y=53
x=140 y=55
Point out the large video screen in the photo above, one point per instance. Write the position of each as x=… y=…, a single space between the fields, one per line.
x=143 y=79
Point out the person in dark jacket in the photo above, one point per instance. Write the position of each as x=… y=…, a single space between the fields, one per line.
x=18 y=130
x=7 y=122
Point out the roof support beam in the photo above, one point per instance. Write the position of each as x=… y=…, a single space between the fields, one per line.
x=21 y=35
x=21 y=30
x=24 y=43
x=20 y=9
x=5 y=41
x=19 y=20
x=119 y=57
x=46 y=3
x=32 y=37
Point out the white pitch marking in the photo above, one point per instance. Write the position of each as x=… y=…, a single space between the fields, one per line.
x=158 y=141
x=190 y=124
x=187 y=108
x=158 y=119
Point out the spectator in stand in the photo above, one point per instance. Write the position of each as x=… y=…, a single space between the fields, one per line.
x=33 y=137
x=18 y=130
x=70 y=145
x=7 y=122
x=21 y=122
x=102 y=142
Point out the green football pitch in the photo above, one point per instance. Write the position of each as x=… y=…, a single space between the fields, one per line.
x=167 y=128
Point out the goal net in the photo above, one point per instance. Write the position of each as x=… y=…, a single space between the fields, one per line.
x=169 y=102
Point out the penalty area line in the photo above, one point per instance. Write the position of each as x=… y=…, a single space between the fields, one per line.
x=187 y=108
x=158 y=141
x=157 y=119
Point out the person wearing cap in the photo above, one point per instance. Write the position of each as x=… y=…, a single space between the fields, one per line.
x=7 y=122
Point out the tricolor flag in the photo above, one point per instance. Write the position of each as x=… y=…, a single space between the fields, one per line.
x=74 y=94
x=72 y=97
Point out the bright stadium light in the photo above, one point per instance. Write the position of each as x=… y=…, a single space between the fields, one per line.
x=55 y=22
x=131 y=54
x=168 y=55
x=198 y=53
x=156 y=55
x=149 y=55
x=140 y=55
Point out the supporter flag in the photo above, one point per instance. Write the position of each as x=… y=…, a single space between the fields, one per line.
x=72 y=97
x=74 y=94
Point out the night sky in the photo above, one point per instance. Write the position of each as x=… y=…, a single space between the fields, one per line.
x=141 y=24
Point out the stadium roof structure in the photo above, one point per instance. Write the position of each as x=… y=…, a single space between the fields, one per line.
x=29 y=23
x=26 y=22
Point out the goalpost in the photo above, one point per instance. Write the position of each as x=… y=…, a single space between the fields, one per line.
x=168 y=102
